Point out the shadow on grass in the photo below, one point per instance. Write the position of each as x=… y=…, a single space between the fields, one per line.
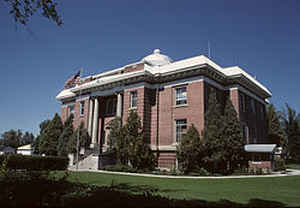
x=50 y=193
x=140 y=188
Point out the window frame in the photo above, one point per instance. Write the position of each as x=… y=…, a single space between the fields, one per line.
x=133 y=99
x=81 y=108
x=252 y=105
x=178 y=126
x=179 y=98
x=242 y=102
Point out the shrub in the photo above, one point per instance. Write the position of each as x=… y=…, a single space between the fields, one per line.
x=279 y=164
x=26 y=162
x=120 y=168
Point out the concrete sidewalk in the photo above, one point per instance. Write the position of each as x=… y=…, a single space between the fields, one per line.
x=290 y=172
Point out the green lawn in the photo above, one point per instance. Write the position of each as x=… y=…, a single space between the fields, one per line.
x=281 y=189
x=293 y=166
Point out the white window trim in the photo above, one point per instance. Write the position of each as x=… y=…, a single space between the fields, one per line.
x=131 y=100
x=180 y=98
x=175 y=129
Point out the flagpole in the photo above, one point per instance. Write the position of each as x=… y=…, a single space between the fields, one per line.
x=78 y=128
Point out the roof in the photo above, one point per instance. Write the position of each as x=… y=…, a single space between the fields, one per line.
x=159 y=64
x=25 y=147
x=260 y=147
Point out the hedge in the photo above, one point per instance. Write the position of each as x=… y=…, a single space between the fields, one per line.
x=26 y=162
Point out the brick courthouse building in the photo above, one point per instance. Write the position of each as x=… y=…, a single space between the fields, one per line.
x=168 y=96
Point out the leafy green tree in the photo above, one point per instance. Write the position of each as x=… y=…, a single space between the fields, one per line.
x=275 y=130
x=291 y=127
x=12 y=138
x=212 y=134
x=49 y=137
x=63 y=148
x=190 y=151
x=232 y=151
x=139 y=153
x=22 y=10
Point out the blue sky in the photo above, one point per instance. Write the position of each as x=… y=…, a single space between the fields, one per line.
x=263 y=37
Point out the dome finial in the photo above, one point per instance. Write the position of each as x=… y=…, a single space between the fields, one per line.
x=156 y=51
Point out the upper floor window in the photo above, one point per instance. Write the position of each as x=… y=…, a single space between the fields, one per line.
x=180 y=96
x=81 y=108
x=181 y=128
x=252 y=104
x=110 y=108
x=242 y=102
x=133 y=99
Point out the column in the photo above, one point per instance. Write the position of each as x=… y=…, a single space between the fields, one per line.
x=90 y=124
x=119 y=105
x=95 y=122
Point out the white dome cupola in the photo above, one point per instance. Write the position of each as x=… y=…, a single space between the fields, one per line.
x=157 y=59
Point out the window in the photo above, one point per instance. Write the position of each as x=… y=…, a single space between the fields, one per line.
x=81 y=108
x=242 y=102
x=133 y=99
x=71 y=109
x=252 y=104
x=262 y=113
x=181 y=127
x=110 y=108
x=180 y=96
x=245 y=133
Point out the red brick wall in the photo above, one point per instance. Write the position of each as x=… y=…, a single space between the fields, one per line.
x=64 y=113
x=168 y=112
x=84 y=118
x=234 y=97
x=167 y=160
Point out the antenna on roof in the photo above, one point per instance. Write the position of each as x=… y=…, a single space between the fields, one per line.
x=208 y=46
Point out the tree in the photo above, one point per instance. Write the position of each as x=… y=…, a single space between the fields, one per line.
x=27 y=138
x=49 y=137
x=133 y=148
x=63 y=148
x=84 y=139
x=36 y=144
x=190 y=151
x=232 y=140
x=212 y=133
x=275 y=131
x=22 y=10
x=291 y=126
x=117 y=142
x=12 y=138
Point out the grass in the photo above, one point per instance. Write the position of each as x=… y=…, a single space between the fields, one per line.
x=293 y=166
x=281 y=189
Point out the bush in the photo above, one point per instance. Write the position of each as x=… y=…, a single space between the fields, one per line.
x=279 y=164
x=120 y=168
x=26 y=162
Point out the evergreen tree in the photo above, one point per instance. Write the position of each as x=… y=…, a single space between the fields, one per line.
x=138 y=152
x=212 y=133
x=36 y=144
x=232 y=139
x=275 y=131
x=291 y=126
x=116 y=141
x=190 y=151
x=27 y=138
x=49 y=137
x=63 y=148
x=11 y=138
x=84 y=139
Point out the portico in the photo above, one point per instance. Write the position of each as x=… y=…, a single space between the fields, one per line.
x=101 y=110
